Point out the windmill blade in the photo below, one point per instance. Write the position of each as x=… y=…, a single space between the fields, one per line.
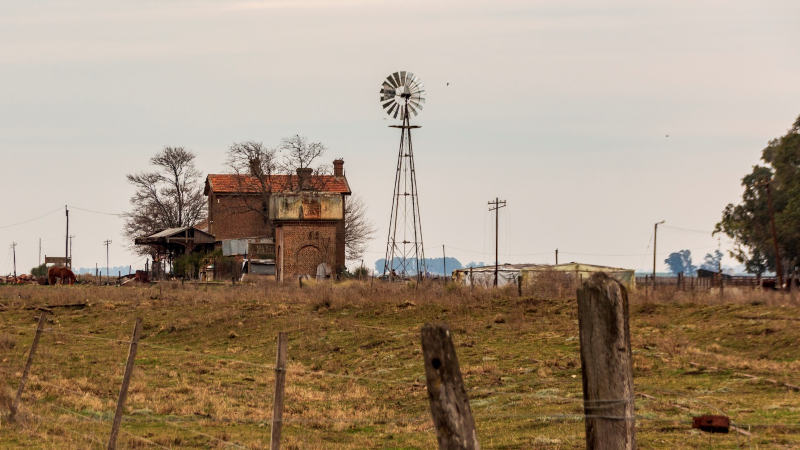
x=386 y=87
x=387 y=95
x=396 y=77
x=415 y=83
x=402 y=95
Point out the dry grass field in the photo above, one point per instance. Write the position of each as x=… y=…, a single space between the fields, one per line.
x=204 y=374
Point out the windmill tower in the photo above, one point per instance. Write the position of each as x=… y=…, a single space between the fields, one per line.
x=401 y=96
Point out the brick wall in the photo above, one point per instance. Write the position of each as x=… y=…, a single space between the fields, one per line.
x=234 y=216
x=302 y=246
x=307 y=242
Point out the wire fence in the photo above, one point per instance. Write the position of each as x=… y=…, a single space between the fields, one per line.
x=57 y=389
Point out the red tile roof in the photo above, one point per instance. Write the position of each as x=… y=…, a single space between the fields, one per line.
x=231 y=184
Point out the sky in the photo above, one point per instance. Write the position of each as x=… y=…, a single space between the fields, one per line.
x=592 y=121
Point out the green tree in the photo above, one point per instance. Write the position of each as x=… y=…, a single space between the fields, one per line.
x=681 y=262
x=712 y=261
x=39 y=271
x=748 y=222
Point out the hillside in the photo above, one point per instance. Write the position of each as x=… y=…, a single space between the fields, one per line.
x=204 y=375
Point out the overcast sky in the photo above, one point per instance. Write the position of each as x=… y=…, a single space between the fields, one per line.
x=561 y=108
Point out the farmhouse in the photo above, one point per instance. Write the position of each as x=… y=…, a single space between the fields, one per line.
x=302 y=215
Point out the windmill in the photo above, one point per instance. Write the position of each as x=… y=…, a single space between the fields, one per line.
x=401 y=96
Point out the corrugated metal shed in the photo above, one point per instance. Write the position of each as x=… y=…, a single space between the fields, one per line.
x=508 y=273
x=234 y=247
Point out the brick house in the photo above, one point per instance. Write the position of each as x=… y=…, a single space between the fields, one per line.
x=303 y=214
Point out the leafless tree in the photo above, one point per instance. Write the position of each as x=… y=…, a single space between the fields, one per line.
x=358 y=230
x=252 y=160
x=299 y=153
x=171 y=195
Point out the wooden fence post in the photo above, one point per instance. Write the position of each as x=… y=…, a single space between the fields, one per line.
x=126 y=380
x=452 y=416
x=280 y=384
x=28 y=362
x=519 y=285
x=607 y=363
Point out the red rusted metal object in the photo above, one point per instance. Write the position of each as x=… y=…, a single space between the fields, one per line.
x=712 y=424
x=142 y=276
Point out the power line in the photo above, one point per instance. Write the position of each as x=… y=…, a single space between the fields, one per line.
x=94 y=211
x=31 y=220
x=692 y=230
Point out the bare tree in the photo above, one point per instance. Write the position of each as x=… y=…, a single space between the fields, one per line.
x=358 y=230
x=253 y=161
x=169 y=196
x=299 y=153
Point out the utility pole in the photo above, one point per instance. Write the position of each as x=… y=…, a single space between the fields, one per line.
x=107 y=242
x=495 y=206
x=40 y=251
x=778 y=261
x=14 y=251
x=444 y=264
x=719 y=267
x=655 y=237
x=67 y=262
x=70 y=249
x=556 y=256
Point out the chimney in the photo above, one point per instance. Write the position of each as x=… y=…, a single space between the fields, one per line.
x=338 y=167
x=304 y=178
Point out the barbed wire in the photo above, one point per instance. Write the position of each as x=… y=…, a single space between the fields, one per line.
x=200 y=433
x=228 y=359
x=45 y=421
x=66 y=333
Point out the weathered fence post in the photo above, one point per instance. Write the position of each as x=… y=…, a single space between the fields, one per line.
x=280 y=384
x=519 y=285
x=126 y=380
x=28 y=362
x=607 y=364
x=452 y=416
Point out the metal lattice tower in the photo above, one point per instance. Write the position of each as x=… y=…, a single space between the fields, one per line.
x=401 y=97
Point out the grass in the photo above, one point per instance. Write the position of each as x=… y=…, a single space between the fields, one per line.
x=204 y=375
